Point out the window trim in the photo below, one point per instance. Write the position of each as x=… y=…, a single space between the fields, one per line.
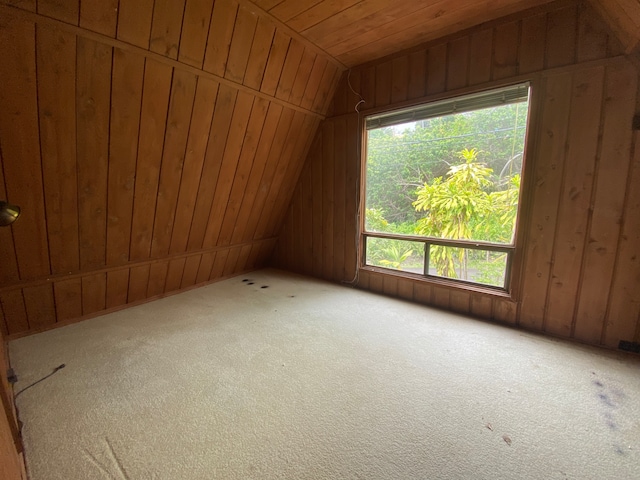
x=515 y=250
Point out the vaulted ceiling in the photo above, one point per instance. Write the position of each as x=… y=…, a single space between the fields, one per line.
x=154 y=145
x=358 y=31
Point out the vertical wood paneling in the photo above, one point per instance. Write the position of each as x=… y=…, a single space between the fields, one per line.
x=320 y=66
x=243 y=258
x=532 y=45
x=436 y=69
x=289 y=70
x=126 y=98
x=592 y=35
x=571 y=231
x=351 y=198
x=259 y=53
x=190 y=271
x=155 y=100
x=65 y=10
x=204 y=269
x=417 y=73
x=174 y=274
x=56 y=61
x=9 y=270
x=546 y=194
x=134 y=21
x=213 y=160
x=458 y=63
x=239 y=124
x=327 y=198
x=138 y=283
x=99 y=15
x=19 y=135
x=339 y=195
x=166 y=27
x=256 y=219
x=303 y=76
x=218 y=264
x=232 y=260
x=275 y=63
x=247 y=209
x=399 y=76
x=117 y=288
x=243 y=171
x=505 y=53
x=624 y=303
x=40 y=306
x=220 y=33
x=157 y=278
x=175 y=142
x=607 y=203
x=195 y=29
x=93 y=105
x=68 y=298
x=383 y=84
x=94 y=290
x=316 y=159
x=15 y=313
x=123 y=159
x=480 y=48
x=580 y=258
x=241 y=43
x=306 y=233
x=204 y=104
x=562 y=32
x=295 y=154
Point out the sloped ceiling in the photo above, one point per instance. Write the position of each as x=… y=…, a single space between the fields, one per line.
x=623 y=17
x=155 y=144
x=150 y=144
x=355 y=31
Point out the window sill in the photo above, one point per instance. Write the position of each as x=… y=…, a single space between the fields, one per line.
x=442 y=282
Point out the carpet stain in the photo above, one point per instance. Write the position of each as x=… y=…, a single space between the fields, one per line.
x=610 y=399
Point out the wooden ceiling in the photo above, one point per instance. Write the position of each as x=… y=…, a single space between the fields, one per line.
x=359 y=31
x=155 y=144
x=355 y=31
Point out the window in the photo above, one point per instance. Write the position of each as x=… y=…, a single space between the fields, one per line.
x=442 y=187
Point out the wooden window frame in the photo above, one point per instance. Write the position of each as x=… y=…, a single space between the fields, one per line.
x=514 y=251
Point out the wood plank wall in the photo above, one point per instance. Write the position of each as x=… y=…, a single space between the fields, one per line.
x=580 y=257
x=11 y=458
x=152 y=146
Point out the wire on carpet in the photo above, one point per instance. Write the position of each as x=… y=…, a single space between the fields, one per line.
x=55 y=370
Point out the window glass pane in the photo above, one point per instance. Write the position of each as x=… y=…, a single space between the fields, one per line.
x=395 y=254
x=455 y=176
x=478 y=266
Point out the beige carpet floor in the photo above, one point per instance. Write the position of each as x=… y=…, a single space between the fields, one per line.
x=308 y=380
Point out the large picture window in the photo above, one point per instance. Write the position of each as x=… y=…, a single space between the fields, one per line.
x=442 y=186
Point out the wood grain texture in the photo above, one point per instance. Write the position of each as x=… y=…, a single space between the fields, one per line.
x=195 y=30
x=99 y=16
x=65 y=10
x=166 y=27
x=56 y=61
x=93 y=96
x=134 y=21
x=134 y=135
x=126 y=100
x=19 y=134
x=579 y=265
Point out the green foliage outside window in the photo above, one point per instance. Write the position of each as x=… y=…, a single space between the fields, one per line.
x=454 y=177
